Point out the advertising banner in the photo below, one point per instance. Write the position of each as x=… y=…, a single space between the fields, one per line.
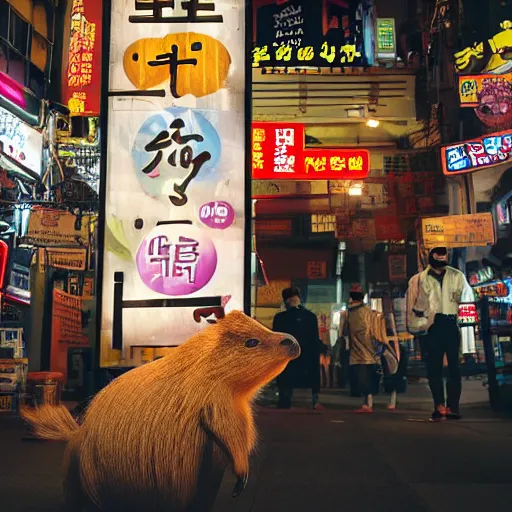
x=458 y=231
x=81 y=88
x=175 y=198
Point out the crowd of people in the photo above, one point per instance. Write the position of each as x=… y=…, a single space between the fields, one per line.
x=368 y=345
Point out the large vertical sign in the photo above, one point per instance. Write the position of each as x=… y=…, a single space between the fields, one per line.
x=82 y=84
x=175 y=191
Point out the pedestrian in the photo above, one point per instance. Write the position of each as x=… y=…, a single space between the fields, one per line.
x=366 y=331
x=302 y=324
x=433 y=299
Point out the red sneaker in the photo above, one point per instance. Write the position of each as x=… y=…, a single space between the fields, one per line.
x=391 y=407
x=364 y=410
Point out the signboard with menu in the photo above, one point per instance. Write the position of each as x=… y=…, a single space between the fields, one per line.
x=458 y=231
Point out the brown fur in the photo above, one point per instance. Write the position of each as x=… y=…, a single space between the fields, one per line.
x=160 y=436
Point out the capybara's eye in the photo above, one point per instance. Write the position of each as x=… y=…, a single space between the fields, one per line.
x=252 y=343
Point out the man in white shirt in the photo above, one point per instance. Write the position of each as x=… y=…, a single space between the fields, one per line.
x=446 y=288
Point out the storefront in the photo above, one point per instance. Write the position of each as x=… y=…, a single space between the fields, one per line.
x=49 y=168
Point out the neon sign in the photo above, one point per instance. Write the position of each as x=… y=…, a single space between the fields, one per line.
x=278 y=153
x=82 y=85
x=477 y=154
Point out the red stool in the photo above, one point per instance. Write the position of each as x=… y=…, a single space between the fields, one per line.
x=45 y=388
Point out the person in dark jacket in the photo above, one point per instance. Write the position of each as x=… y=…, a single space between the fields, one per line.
x=303 y=372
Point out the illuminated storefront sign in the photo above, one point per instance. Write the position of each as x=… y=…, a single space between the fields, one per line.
x=489 y=56
x=175 y=204
x=20 y=142
x=81 y=90
x=458 y=231
x=477 y=154
x=468 y=315
x=485 y=72
x=301 y=33
x=278 y=153
x=386 y=38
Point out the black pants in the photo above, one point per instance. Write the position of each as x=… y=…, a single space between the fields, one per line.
x=444 y=338
x=364 y=374
x=286 y=395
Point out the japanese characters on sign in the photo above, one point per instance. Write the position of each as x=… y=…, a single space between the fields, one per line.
x=301 y=33
x=278 y=153
x=477 y=154
x=458 y=231
x=176 y=179
x=81 y=88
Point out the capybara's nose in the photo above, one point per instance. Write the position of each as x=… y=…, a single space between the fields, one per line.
x=292 y=346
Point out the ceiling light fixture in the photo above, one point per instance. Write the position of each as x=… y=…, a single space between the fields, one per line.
x=372 y=123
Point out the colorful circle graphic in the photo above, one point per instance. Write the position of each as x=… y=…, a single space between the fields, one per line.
x=172 y=149
x=176 y=259
x=217 y=214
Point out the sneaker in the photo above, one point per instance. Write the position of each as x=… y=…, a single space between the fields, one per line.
x=452 y=415
x=439 y=413
x=364 y=410
x=391 y=407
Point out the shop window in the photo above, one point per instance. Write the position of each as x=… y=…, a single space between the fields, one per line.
x=3 y=57
x=26 y=27
x=16 y=66
x=323 y=223
x=4 y=20
x=19 y=33
x=36 y=81
x=39 y=52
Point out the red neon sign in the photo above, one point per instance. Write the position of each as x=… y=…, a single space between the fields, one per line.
x=278 y=153
x=81 y=86
x=4 y=253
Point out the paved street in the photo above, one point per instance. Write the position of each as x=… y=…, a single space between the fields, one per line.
x=323 y=461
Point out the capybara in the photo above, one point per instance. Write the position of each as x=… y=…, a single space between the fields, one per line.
x=160 y=436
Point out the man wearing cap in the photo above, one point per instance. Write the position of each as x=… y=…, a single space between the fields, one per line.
x=435 y=295
x=302 y=324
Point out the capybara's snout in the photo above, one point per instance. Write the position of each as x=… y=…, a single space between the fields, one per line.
x=291 y=345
